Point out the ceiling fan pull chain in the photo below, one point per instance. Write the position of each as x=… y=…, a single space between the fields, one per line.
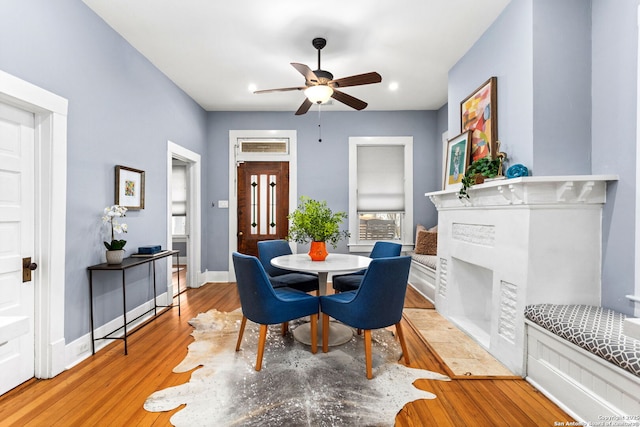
x=319 y=123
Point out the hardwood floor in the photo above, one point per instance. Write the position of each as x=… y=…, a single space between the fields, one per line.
x=109 y=389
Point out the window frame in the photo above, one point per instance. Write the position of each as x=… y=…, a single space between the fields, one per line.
x=406 y=239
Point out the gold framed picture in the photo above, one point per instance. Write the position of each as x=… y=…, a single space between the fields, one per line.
x=457 y=160
x=129 y=187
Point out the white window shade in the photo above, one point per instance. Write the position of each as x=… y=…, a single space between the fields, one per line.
x=179 y=191
x=380 y=175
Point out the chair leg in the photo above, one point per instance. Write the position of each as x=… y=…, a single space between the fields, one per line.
x=241 y=332
x=367 y=352
x=285 y=328
x=325 y=332
x=261 y=342
x=314 y=333
x=402 y=343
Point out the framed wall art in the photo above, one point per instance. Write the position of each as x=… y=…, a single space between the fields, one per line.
x=457 y=160
x=479 y=114
x=129 y=187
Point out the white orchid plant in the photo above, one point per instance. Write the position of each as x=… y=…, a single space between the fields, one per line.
x=111 y=215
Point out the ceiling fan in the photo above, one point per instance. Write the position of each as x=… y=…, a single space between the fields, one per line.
x=320 y=85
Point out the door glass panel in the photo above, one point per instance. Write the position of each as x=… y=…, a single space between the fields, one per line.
x=273 y=205
x=263 y=204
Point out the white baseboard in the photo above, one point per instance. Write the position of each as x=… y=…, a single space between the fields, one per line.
x=215 y=276
x=80 y=349
x=423 y=279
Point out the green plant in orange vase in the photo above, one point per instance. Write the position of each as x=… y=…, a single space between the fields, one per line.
x=314 y=221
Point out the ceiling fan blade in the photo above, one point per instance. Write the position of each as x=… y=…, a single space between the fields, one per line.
x=349 y=100
x=304 y=107
x=357 y=80
x=282 y=89
x=309 y=75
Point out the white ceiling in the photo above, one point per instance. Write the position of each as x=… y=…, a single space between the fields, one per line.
x=215 y=49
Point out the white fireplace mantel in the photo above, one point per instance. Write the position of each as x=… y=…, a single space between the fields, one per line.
x=516 y=242
x=530 y=190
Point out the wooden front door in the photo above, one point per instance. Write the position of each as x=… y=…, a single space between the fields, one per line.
x=263 y=203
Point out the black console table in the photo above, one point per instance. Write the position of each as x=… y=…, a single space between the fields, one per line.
x=132 y=261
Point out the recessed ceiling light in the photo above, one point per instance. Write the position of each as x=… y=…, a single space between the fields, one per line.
x=252 y=87
x=393 y=86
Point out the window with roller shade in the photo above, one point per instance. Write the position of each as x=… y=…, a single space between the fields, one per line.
x=380 y=190
x=179 y=200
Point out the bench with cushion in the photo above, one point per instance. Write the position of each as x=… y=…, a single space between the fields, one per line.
x=579 y=356
x=422 y=275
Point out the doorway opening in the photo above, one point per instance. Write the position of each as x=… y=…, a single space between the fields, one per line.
x=184 y=218
x=179 y=224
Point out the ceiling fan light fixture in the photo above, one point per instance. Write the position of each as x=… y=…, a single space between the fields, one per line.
x=318 y=94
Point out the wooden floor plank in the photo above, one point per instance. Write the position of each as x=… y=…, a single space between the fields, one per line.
x=110 y=388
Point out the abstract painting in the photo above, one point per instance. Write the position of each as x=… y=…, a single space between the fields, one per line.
x=478 y=114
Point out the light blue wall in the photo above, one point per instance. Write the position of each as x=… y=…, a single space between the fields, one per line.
x=561 y=82
x=540 y=52
x=505 y=50
x=122 y=111
x=442 y=125
x=613 y=128
x=322 y=166
x=567 y=74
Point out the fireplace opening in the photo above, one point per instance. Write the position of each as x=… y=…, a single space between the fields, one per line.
x=471 y=298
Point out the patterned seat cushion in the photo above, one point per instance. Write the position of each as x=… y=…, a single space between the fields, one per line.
x=428 y=260
x=595 y=329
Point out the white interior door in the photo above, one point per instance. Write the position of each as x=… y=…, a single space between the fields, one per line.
x=16 y=243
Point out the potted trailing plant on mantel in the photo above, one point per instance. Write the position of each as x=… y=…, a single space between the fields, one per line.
x=313 y=221
x=478 y=171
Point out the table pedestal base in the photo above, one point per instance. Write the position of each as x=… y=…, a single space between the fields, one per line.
x=338 y=334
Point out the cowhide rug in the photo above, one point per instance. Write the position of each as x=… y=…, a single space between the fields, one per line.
x=294 y=387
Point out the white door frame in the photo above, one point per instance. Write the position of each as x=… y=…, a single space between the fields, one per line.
x=291 y=157
x=50 y=113
x=194 y=213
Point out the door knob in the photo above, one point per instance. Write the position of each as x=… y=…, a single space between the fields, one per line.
x=240 y=234
x=27 y=268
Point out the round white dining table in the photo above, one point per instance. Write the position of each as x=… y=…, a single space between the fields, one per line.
x=334 y=263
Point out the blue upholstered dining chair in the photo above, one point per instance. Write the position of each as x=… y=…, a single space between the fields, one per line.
x=263 y=304
x=302 y=281
x=351 y=281
x=376 y=304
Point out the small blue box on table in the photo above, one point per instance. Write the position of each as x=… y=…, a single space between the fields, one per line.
x=148 y=250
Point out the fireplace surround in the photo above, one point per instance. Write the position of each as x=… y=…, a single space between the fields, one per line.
x=515 y=242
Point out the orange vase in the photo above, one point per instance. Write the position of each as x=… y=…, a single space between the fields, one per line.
x=318 y=251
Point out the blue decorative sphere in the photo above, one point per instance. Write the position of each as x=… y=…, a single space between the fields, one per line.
x=516 y=171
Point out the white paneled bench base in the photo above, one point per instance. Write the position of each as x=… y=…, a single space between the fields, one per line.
x=422 y=275
x=582 y=383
